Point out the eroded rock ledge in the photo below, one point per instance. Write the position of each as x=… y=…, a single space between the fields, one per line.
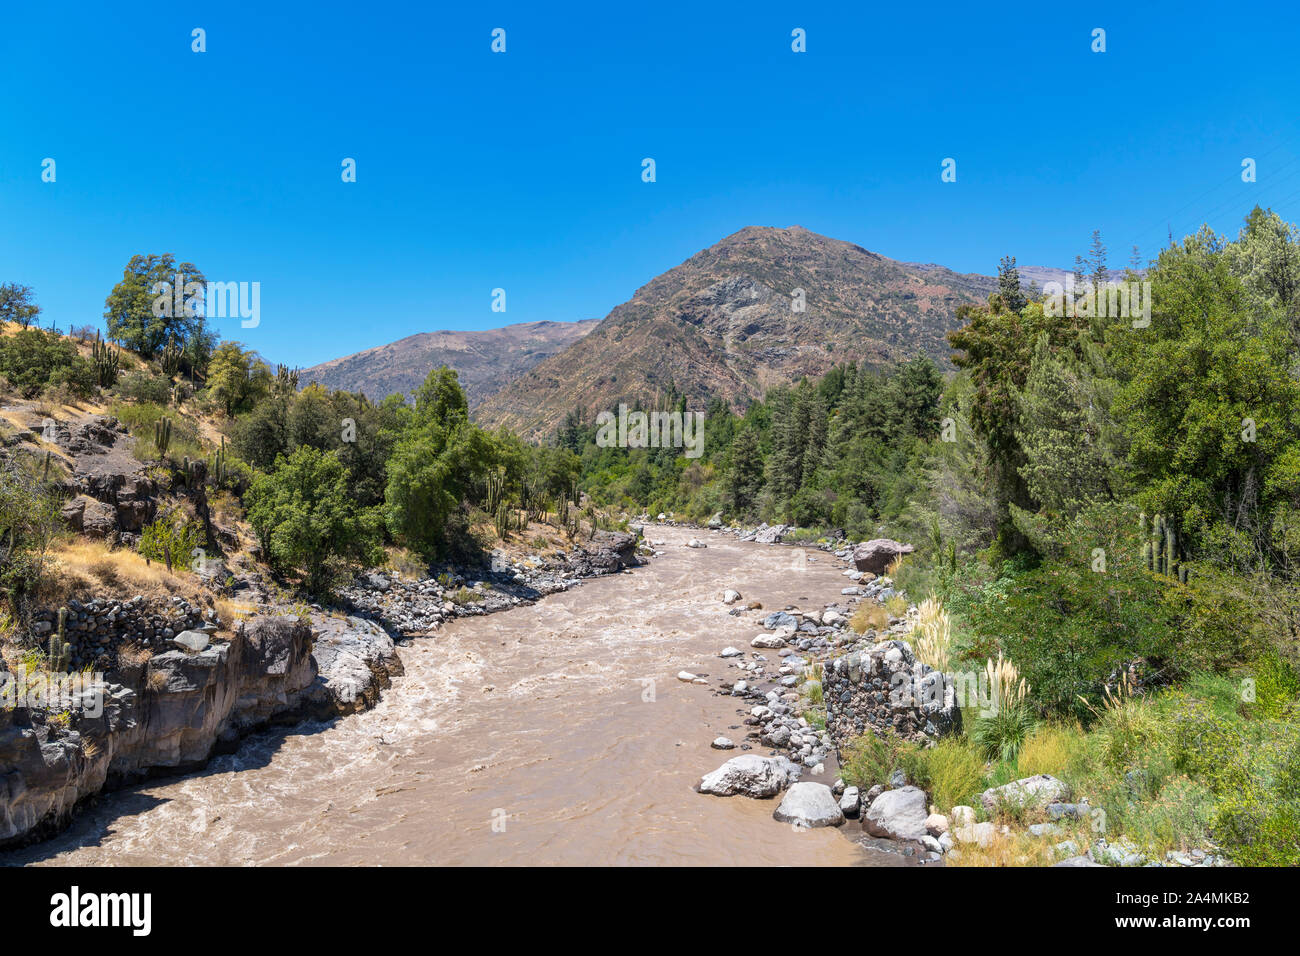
x=170 y=711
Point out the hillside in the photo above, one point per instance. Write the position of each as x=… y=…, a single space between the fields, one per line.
x=485 y=360
x=721 y=324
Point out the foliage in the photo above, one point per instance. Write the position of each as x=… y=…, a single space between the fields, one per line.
x=304 y=516
x=35 y=359
x=129 y=309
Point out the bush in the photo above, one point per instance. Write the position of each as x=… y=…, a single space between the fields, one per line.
x=1000 y=735
x=304 y=516
x=872 y=759
x=34 y=359
x=174 y=537
x=1276 y=686
x=952 y=770
x=141 y=385
x=1053 y=748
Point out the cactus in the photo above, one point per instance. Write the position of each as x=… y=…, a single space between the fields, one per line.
x=106 y=361
x=162 y=435
x=60 y=653
x=495 y=486
x=1160 y=548
x=217 y=466
x=286 y=379
x=502 y=520
x=171 y=357
x=45 y=468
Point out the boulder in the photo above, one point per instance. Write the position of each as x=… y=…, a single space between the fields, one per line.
x=723 y=743
x=1026 y=793
x=878 y=554
x=809 y=805
x=851 y=802
x=730 y=596
x=750 y=775
x=898 y=814
x=192 y=641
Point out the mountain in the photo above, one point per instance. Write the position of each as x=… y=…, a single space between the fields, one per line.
x=1041 y=275
x=721 y=325
x=484 y=360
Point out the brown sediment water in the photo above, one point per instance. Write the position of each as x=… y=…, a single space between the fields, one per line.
x=521 y=737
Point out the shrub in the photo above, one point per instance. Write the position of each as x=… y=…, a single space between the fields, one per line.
x=176 y=537
x=1276 y=686
x=141 y=385
x=869 y=616
x=34 y=359
x=872 y=759
x=952 y=770
x=304 y=516
x=1053 y=748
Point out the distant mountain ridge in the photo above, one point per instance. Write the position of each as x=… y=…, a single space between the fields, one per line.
x=484 y=360
x=724 y=324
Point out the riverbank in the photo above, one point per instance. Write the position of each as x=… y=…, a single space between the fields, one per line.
x=557 y=733
x=180 y=686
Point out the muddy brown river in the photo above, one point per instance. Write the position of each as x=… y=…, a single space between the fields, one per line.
x=521 y=737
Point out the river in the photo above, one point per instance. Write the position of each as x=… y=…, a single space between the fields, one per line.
x=521 y=737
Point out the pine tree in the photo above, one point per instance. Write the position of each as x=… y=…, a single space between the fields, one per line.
x=1013 y=297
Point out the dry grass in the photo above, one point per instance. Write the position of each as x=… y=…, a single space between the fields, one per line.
x=896 y=605
x=869 y=616
x=231 y=613
x=86 y=569
x=1007 y=849
x=157 y=680
x=406 y=563
x=894 y=567
x=134 y=655
x=1005 y=681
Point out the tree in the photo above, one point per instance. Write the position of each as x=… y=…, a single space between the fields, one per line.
x=17 y=304
x=237 y=377
x=1009 y=284
x=436 y=464
x=305 y=516
x=745 y=476
x=1097 y=258
x=141 y=312
x=1208 y=399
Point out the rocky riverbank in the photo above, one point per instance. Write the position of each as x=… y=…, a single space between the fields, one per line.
x=829 y=685
x=172 y=689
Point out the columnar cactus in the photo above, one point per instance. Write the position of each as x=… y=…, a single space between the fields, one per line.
x=106 y=361
x=162 y=434
x=60 y=653
x=171 y=357
x=1160 y=548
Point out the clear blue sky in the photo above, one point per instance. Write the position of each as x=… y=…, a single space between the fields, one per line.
x=523 y=170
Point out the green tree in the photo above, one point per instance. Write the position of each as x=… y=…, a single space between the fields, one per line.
x=305 y=516
x=141 y=311
x=18 y=304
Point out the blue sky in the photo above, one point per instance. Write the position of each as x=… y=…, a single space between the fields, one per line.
x=523 y=170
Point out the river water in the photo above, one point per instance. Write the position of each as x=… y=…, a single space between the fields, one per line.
x=521 y=737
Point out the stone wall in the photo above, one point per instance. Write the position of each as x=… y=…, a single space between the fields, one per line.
x=96 y=629
x=883 y=689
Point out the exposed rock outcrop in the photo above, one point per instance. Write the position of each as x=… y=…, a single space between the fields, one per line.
x=181 y=707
